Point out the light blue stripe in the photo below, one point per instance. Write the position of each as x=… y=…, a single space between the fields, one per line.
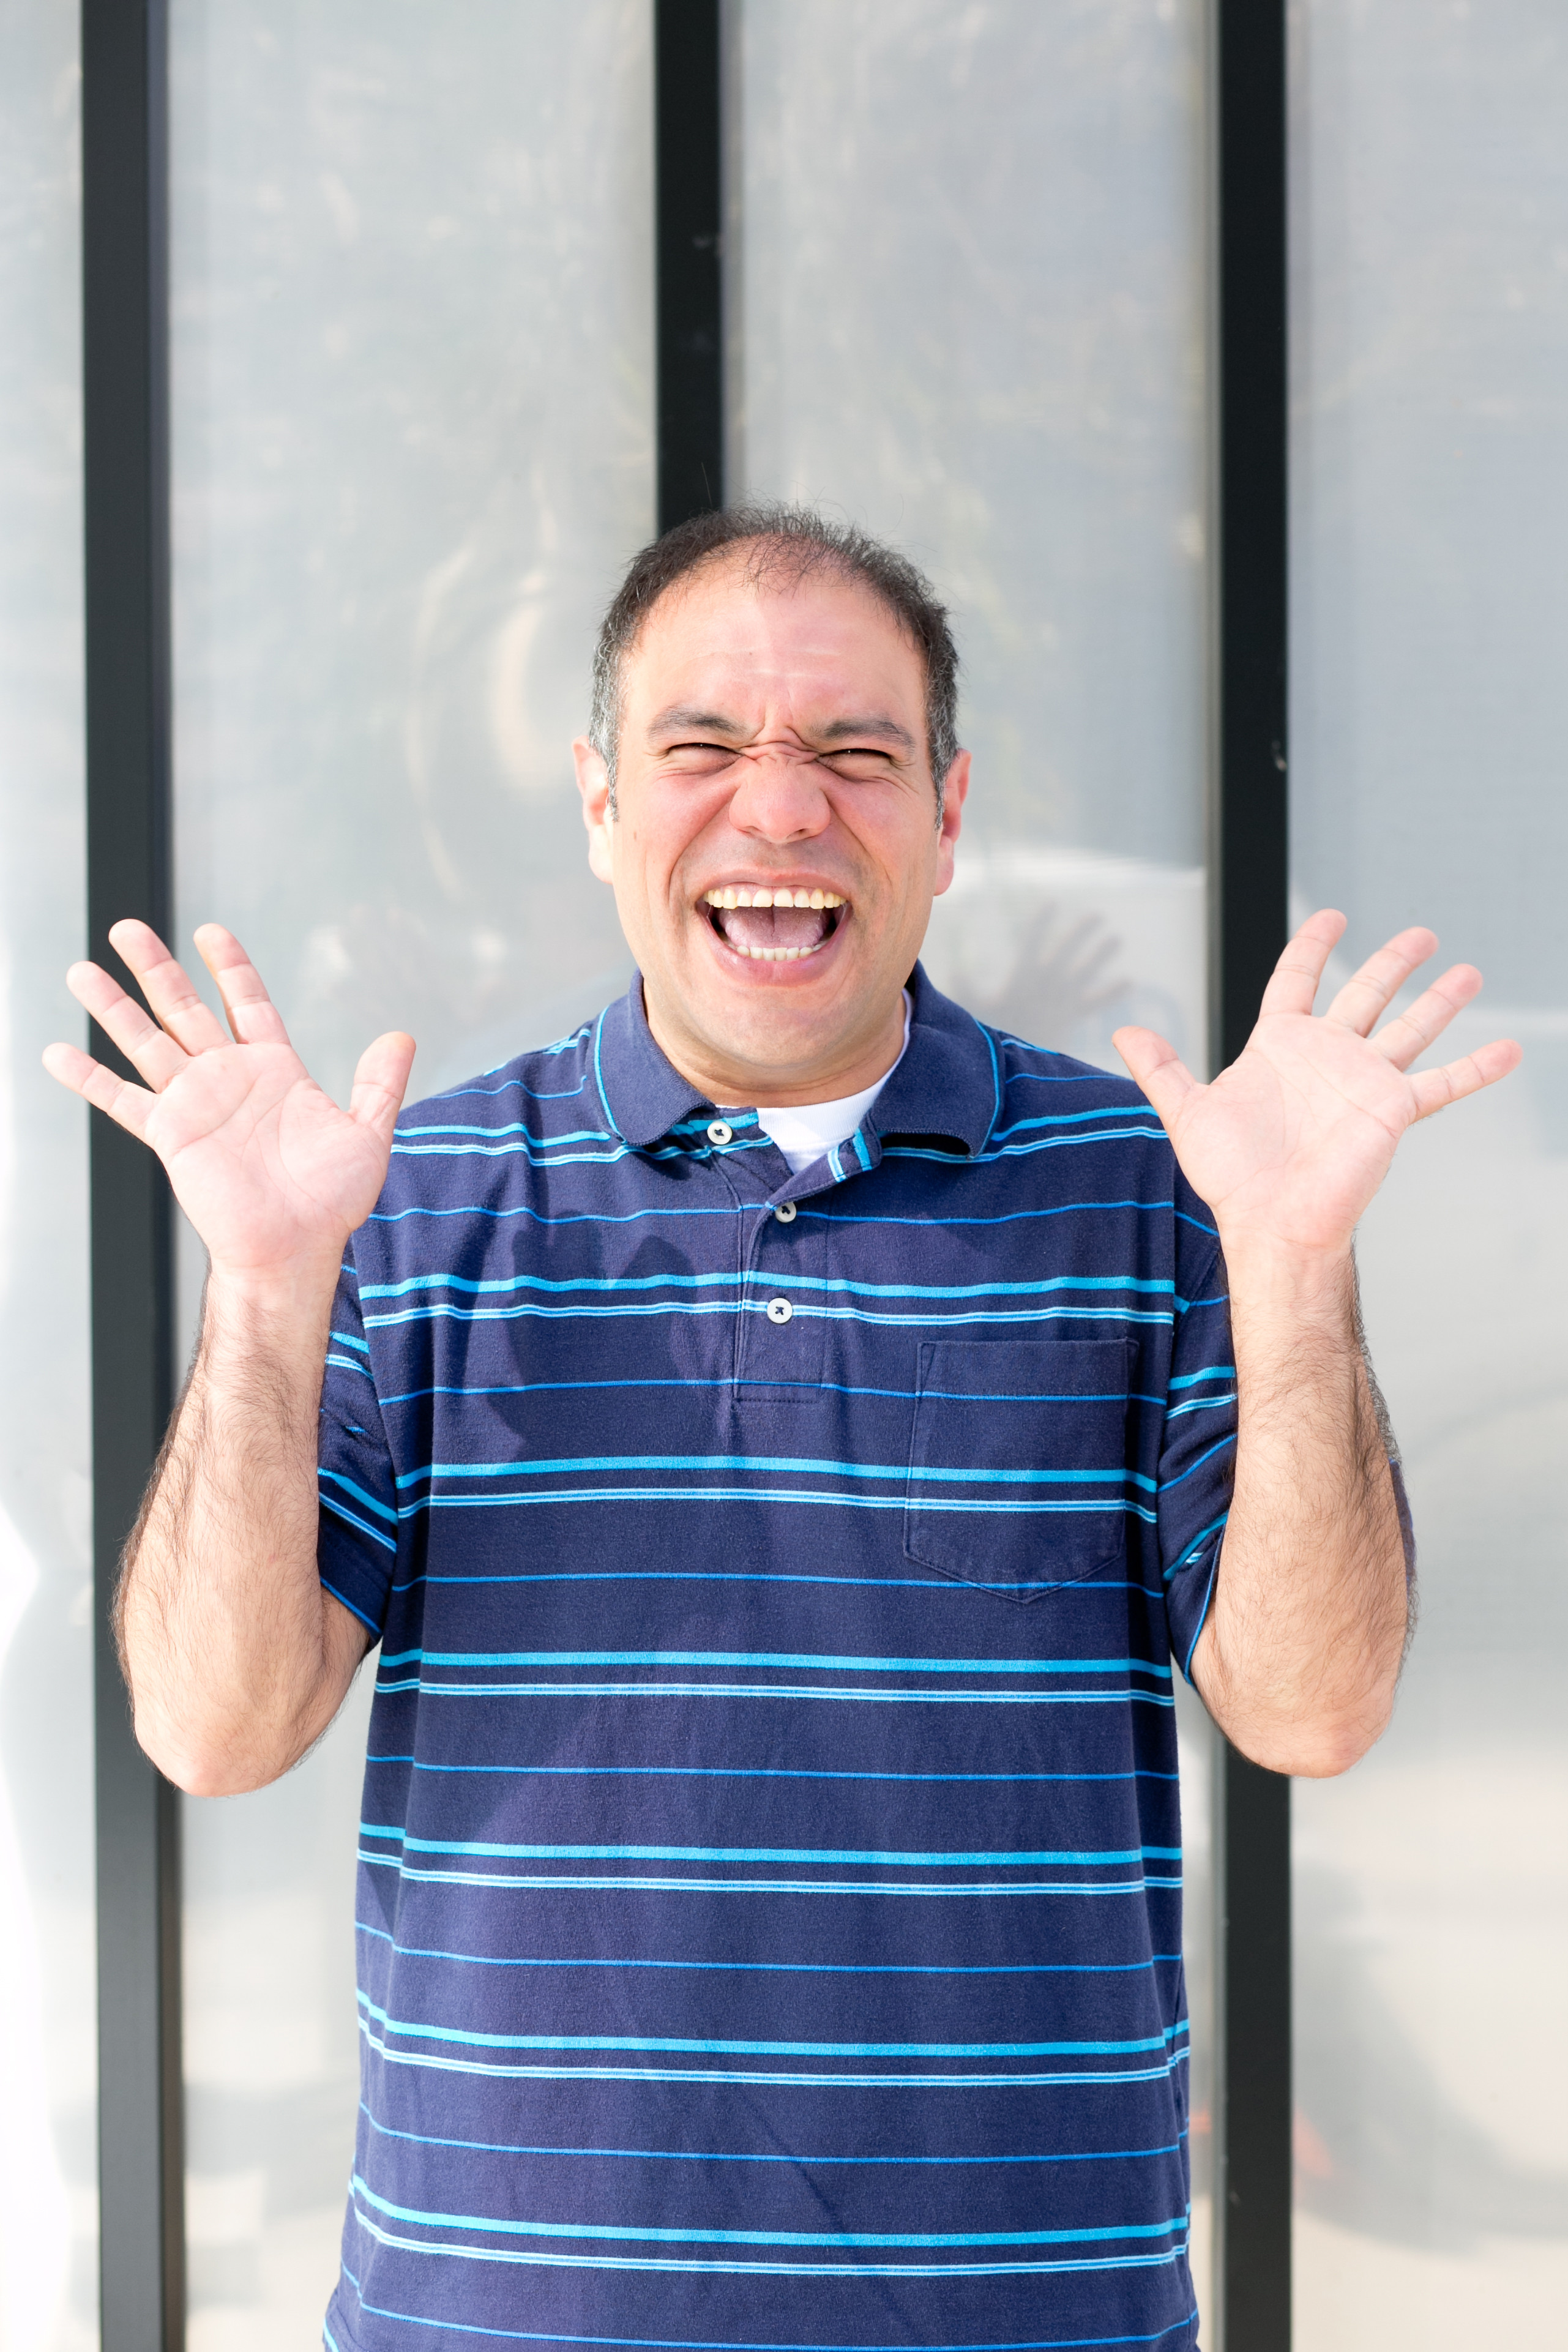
x=951 y=1321
x=443 y=1280
x=351 y=1518
x=1220 y=1445
x=805 y=1857
x=537 y=2257
x=829 y=1387
x=644 y=1884
x=743 y=2155
x=779 y=1967
x=353 y=1606
x=1128 y=1697
x=382 y=1511
x=708 y=2344
x=1013 y=1507
x=814 y=1662
x=747 y=1772
x=935 y=1585
x=837 y=1213
x=624 y=2233
x=512 y=1127
x=1071 y=1118
x=781 y=1464
x=682 y=2045
x=428 y=2062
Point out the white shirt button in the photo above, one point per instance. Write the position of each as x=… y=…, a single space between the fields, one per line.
x=779 y=1310
x=786 y=1213
x=719 y=1130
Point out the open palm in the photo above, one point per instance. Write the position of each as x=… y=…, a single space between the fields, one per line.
x=1289 y=1144
x=271 y=1172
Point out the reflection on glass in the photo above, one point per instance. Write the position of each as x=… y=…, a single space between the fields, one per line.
x=964 y=287
x=48 y=2160
x=412 y=294
x=1430 y=329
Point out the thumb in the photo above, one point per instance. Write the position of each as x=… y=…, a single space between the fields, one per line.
x=1157 y=1068
x=379 y=1083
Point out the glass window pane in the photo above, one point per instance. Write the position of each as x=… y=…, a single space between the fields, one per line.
x=964 y=289
x=49 y=2025
x=1430 y=332
x=412 y=289
x=965 y=300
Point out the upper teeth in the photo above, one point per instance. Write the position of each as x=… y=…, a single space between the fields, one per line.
x=731 y=897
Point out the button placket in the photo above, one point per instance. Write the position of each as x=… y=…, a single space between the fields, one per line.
x=782 y=1339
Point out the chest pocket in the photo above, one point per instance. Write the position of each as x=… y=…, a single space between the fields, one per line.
x=1018 y=1473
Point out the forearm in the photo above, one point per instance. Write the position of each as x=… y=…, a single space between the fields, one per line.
x=1300 y=1658
x=236 y=1658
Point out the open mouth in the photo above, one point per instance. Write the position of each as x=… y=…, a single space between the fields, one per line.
x=775 y=926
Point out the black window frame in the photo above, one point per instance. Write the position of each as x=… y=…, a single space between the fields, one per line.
x=126 y=490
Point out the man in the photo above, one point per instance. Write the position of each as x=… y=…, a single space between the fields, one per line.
x=782 y=1438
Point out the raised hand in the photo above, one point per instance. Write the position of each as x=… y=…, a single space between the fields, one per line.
x=273 y=1175
x=1289 y=1144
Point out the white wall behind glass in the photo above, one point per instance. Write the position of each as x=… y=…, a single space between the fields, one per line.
x=412 y=294
x=1430 y=709
x=49 y=2025
x=965 y=277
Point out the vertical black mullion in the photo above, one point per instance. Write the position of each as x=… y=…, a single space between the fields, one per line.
x=688 y=178
x=1249 y=868
x=125 y=484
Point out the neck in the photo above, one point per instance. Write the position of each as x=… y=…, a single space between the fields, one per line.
x=731 y=1075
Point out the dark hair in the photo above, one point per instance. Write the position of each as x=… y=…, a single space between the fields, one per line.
x=793 y=541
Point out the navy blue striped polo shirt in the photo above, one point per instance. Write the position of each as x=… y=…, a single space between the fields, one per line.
x=769 y=1879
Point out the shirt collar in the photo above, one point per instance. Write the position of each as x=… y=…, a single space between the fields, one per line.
x=947 y=1086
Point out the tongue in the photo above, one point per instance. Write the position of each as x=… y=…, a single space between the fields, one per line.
x=773 y=927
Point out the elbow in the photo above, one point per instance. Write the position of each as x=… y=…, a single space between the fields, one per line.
x=204 y=1767
x=1314 y=1747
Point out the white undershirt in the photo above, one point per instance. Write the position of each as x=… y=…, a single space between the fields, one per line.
x=804 y=1131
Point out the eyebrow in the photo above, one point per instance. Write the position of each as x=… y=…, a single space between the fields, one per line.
x=889 y=730
x=683 y=717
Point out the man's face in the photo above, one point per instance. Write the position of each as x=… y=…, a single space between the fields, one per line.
x=773 y=740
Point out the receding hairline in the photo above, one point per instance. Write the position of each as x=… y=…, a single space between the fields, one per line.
x=767 y=544
x=769 y=564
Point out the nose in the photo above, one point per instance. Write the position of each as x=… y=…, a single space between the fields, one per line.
x=779 y=799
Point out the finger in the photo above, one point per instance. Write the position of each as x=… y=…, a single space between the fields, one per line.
x=1435 y=1089
x=252 y=1015
x=1414 y=1031
x=1293 y=986
x=153 y=1053
x=1381 y=978
x=381 y=1082
x=128 y=1106
x=170 y=992
x=1157 y=1068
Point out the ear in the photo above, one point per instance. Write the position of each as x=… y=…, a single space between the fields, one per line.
x=594 y=783
x=955 y=791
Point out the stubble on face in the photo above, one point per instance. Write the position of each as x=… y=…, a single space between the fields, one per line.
x=776 y=846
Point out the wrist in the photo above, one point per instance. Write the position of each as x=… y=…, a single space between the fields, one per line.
x=297 y=1293
x=1275 y=1280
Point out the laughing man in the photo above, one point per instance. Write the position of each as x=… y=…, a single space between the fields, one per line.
x=783 y=1439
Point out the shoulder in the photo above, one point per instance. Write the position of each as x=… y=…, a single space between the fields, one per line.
x=544 y=1094
x=477 y=1143
x=1039 y=1091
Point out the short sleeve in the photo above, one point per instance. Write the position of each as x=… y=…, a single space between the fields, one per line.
x=356 y=1542
x=1197 y=1456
